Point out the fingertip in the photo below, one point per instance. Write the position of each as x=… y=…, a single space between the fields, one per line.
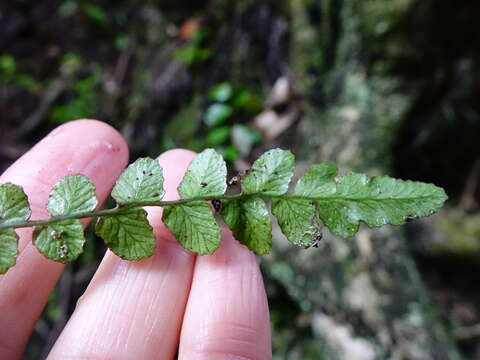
x=113 y=139
x=70 y=142
x=89 y=147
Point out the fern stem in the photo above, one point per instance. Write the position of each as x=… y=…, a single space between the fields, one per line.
x=119 y=208
x=110 y=212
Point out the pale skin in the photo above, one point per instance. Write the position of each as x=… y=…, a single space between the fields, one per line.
x=206 y=307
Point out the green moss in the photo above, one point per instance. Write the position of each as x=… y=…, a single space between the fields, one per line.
x=460 y=234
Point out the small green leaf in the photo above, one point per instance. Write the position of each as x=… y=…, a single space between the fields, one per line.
x=250 y=223
x=14 y=205
x=377 y=201
x=191 y=54
x=206 y=176
x=194 y=226
x=270 y=173
x=296 y=218
x=317 y=181
x=221 y=92
x=217 y=114
x=244 y=138
x=218 y=136
x=62 y=241
x=96 y=13
x=128 y=234
x=8 y=249
x=72 y=194
x=7 y=64
x=230 y=153
x=141 y=181
x=247 y=102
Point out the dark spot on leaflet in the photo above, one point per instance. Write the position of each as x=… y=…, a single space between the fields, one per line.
x=233 y=180
x=57 y=234
x=203 y=184
x=316 y=238
x=155 y=194
x=217 y=205
x=63 y=251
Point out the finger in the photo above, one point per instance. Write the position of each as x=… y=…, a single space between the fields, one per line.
x=227 y=311
x=134 y=310
x=85 y=146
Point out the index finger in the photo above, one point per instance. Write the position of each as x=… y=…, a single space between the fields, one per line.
x=88 y=147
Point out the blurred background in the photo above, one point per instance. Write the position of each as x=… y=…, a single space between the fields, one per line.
x=377 y=86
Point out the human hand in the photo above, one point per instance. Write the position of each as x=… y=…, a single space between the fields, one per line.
x=208 y=307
